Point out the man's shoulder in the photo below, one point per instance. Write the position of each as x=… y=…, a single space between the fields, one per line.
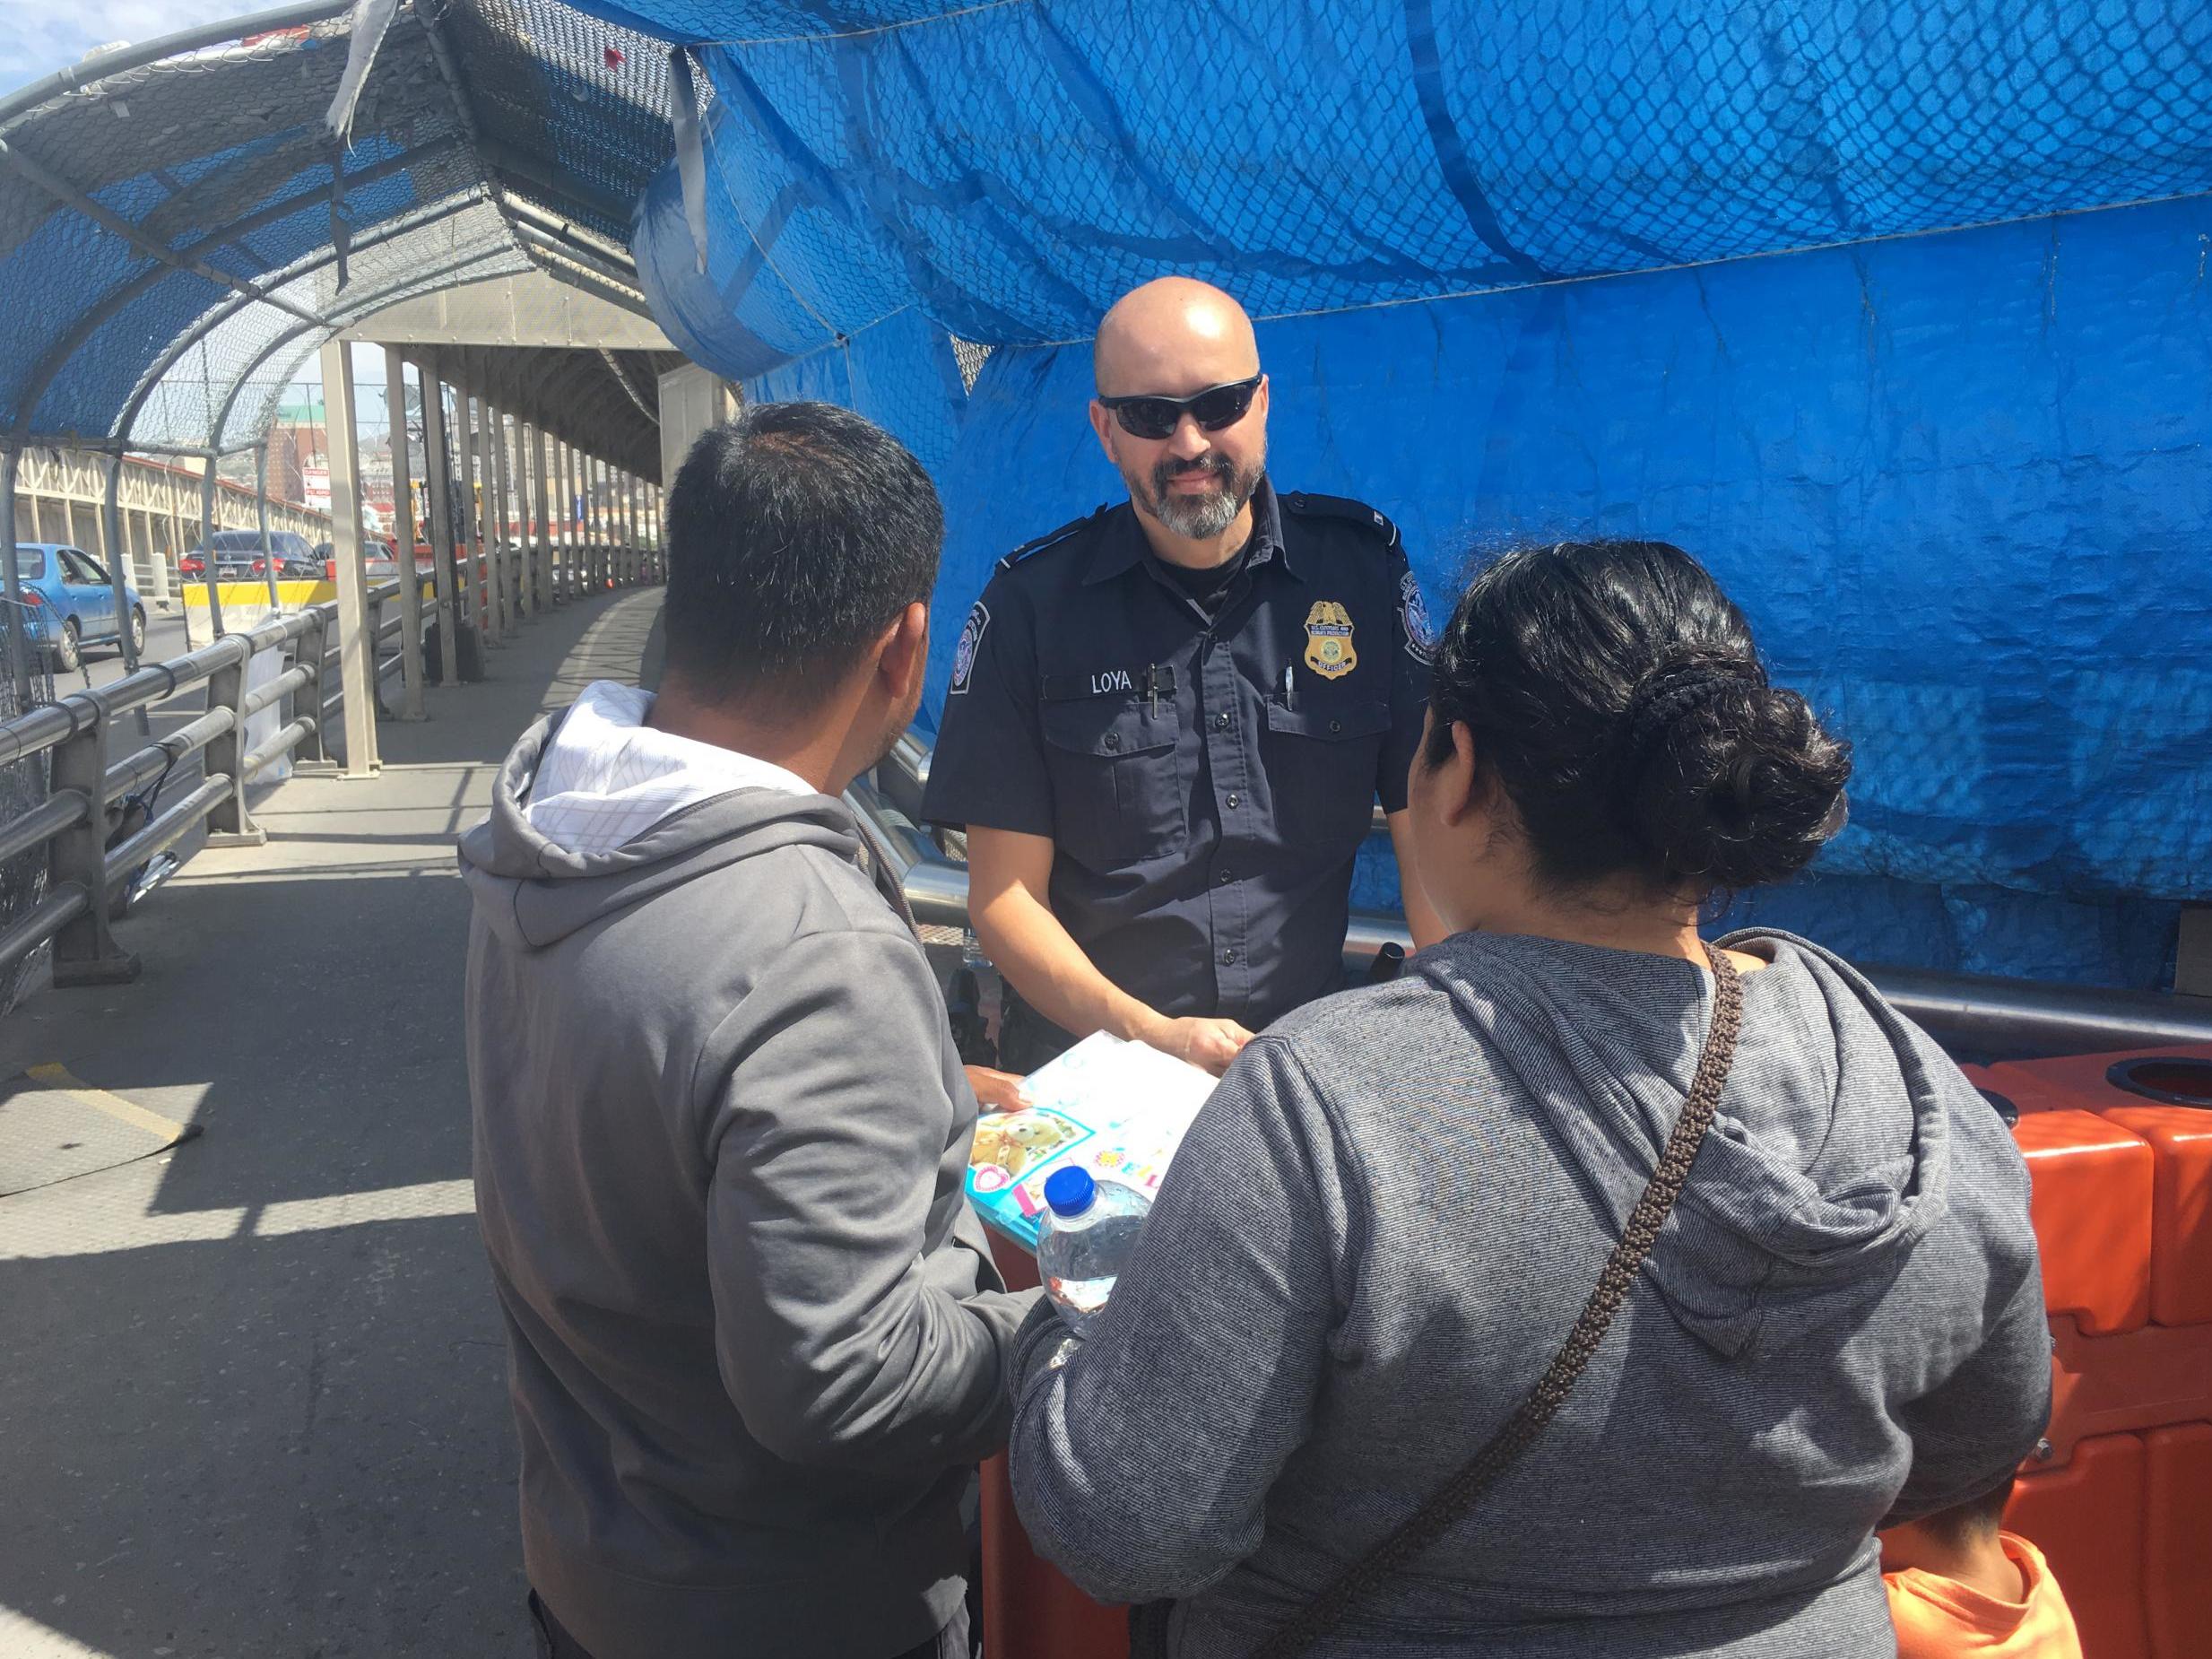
x=1047 y=551
x=1342 y=518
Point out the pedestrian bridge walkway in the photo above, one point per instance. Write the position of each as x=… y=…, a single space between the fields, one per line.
x=254 y=1400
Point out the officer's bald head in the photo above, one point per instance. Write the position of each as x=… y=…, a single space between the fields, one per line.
x=1174 y=335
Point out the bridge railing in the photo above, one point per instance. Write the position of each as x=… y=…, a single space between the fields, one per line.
x=102 y=820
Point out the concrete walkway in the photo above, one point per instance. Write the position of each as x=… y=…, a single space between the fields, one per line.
x=253 y=1400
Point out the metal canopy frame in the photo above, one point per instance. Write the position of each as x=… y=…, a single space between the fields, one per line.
x=177 y=226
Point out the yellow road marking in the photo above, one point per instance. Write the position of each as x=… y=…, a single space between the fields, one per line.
x=165 y=1130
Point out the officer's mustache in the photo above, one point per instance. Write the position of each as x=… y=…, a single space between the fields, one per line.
x=1166 y=471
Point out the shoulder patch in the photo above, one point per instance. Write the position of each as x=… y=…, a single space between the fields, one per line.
x=1344 y=508
x=971 y=642
x=1049 y=539
x=1413 y=619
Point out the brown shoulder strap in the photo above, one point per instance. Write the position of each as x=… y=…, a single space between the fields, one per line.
x=1456 y=1496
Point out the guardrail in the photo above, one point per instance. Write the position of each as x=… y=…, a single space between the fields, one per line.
x=88 y=792
x=101 y=823
x=1975 y=1014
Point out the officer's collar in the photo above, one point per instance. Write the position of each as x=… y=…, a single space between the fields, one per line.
x=1124 y=546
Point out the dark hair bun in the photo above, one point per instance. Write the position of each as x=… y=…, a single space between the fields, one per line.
x=1616 y=693
x=1730 y=782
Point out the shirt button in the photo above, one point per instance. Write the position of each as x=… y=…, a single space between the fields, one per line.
x=1221 y=721
x=1113 y=740
x=1233 y=801
x=1224 y=876
x=1228 y=957
x=1335 y=726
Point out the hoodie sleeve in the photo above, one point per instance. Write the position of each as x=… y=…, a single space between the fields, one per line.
x=1141 y=1463
x=840 y=1341
x=1977 y=1425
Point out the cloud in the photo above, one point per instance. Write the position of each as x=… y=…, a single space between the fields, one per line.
x=38 y=37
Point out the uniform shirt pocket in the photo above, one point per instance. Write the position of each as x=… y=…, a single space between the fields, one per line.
x=1321 y=758
x=1118 y=797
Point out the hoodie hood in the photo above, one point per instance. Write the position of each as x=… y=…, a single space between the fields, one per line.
x=1831 y=1147
x=534 y=892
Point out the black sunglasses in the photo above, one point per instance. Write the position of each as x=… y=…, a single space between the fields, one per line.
x=1148 y=416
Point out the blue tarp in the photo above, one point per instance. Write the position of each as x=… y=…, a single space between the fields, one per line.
x=1957 y=475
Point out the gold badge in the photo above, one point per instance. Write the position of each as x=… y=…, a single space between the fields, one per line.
x=1329 y=641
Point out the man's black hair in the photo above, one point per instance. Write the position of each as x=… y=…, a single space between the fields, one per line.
x=796 y=533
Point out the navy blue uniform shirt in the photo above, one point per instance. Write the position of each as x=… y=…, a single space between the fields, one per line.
x=1206 y=782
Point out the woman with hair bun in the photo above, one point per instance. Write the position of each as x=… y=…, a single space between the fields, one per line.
x=1589 y=1290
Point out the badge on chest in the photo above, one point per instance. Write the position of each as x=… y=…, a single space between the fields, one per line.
x=1329 y=651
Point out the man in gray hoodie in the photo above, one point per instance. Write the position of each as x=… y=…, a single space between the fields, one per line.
x=756 y=1341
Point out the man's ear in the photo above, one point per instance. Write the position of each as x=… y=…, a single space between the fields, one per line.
x=1102 y=423
x=1463 y=789
x=904 y=657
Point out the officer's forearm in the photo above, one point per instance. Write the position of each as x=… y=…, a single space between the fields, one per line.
x=1009 y=876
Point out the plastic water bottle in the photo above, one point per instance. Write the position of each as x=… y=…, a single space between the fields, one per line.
x=1089 y=1232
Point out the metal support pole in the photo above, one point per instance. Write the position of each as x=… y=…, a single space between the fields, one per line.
x=19 y=642
x=229 y=824
x=529 y=500
x=404 y=540
x=357 y=656
x=542 y=553
x=84 y=951
x=436 y=483
x=111 y=534
x=502 y=608
x=313 y=755
x=564 y=544
x=261 y=513
x=207 y=546
x=476 y=597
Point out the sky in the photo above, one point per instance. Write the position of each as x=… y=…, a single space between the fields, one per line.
x=38 y=37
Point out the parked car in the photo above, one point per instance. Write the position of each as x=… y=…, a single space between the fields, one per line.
x=68 y=604
x=380 y=559
x=238 y=557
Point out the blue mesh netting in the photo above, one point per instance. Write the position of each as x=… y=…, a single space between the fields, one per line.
x=1958 y=480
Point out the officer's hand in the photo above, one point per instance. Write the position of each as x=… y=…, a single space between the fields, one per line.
x=997 y=1091
x=1209 y=1043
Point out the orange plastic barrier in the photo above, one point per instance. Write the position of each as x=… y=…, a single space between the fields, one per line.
x=2162 y=1096
x=2088 y=1520
x=2090 y=1196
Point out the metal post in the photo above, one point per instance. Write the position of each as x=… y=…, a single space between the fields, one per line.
x=541 y=552
x=261 y=513
x=404 y=540
x=529 y=488
x=229 y=824
x=19 y=642
x=496 y=520
x=111 y=535
x=474 y=490
x=313 y=755
x=208 y=547
x=84 y=950
x=447 y=579
x=564 y=544
x=357 y=658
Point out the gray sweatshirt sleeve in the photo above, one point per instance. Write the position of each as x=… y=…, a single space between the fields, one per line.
x=1984 y=1417
x=840 y=1341
x=1141 y=1465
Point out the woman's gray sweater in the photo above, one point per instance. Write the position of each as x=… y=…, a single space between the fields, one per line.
x=1384 y=1224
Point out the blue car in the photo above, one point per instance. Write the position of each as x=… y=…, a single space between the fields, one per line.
x=68 y=604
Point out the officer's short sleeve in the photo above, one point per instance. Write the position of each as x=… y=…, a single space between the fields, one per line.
x=988 y=768
x=1412 y=643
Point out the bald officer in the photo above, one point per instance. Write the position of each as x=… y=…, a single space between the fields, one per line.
x=1168 y=721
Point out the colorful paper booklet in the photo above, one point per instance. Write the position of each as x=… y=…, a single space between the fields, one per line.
x=1118 y=1108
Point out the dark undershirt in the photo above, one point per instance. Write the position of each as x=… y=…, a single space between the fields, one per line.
x=1208 y=589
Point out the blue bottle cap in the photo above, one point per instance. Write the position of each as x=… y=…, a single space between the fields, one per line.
x=1070 y=1191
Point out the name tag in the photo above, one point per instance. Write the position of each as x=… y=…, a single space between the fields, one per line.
x=1145 y=682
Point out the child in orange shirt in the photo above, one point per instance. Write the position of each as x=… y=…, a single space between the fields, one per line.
x=1961 y=1586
